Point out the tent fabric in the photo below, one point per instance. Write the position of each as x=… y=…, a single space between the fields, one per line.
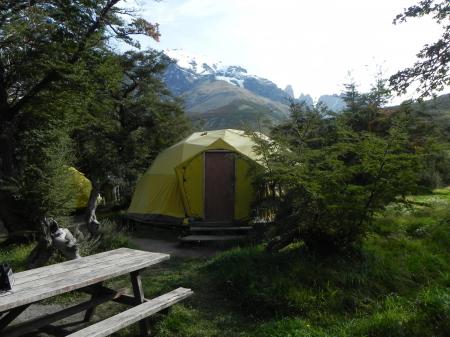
x=173 y=185
x=81 y=187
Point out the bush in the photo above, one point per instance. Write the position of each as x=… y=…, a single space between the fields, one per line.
x=325 y=181
x=111 y=237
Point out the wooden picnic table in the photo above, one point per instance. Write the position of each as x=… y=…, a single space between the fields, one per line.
x=86 y=274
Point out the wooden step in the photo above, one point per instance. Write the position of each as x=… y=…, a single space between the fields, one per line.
x=211 y=238
x=212 y=224
x=218 y=229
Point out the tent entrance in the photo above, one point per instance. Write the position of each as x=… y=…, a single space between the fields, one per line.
x=219 y=173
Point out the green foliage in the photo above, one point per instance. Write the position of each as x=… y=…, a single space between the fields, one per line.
x=131 y=118
x=433 y=306
x=179 y=323
x=431 y=70
x=398 y=286
x=44 y=187
x=16 y=255
x=68 y=97
x=111 y=237
x=303 y=284
x=326 y=176
x=288 y=327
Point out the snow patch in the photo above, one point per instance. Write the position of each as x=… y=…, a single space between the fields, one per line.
x=196 y=63
x=231 y=80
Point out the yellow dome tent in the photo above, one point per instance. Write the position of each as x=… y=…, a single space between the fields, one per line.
x=203 y=177
x=81 y=187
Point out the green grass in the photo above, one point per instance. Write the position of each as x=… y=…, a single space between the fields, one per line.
x=16 y=255
x=398 y=286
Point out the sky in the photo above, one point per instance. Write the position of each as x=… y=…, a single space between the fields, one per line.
x=315 y=46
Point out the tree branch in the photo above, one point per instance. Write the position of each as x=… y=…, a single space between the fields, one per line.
x=53 y=75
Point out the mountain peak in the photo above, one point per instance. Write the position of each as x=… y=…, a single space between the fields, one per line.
x=228 y=94
x=289 y=91
x=195 y=63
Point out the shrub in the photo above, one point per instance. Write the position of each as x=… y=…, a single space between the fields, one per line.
x=326 y=181
x=111 y=237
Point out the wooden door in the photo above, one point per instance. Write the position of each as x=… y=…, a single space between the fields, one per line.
x=219 y=186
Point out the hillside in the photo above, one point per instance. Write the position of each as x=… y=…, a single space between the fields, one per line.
x=433 y=113
x=227 y=96
x=217 y=96
x=437 y=106
x=246 y=114
x=219 y=105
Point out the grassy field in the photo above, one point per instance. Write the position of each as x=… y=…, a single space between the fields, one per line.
x=399 y=285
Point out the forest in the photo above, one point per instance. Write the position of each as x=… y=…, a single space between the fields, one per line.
x=356 y=203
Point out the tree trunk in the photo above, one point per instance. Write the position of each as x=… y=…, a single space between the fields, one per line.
x=11 y=211
x=281 y=241
x=7 y=144
x=12 y=216
x=53 y=238
x=91 y=218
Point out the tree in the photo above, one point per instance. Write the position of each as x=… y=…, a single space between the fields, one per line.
x=126 y=125
x=48 y=58
x=362 y=109
x=326 y=177
x=432 y=68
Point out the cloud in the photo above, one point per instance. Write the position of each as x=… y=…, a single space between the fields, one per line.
x=309 y=44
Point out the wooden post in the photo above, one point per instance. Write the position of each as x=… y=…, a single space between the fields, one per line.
x=96 y=290
x=11 y=315
x=138 y=292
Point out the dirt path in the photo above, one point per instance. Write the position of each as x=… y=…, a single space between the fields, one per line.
x=163 y=240
x=37 y=310
x=174 y=248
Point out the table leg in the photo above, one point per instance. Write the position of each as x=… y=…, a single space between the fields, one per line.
x=11 y=315
x=96 y=292
x=138 y=292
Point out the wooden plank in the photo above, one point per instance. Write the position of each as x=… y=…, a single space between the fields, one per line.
x=54 y=331
x=133 y=315
x=72 y=262
x=96 y=292
x=204 y=238
x=38 y=273
x=40 y=322
x=75 y=271
x=82 y=278
x=11 y=316
x=138 y=292
x=127 y=300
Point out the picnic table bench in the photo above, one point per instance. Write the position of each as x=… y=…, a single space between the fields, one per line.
x=87 y=275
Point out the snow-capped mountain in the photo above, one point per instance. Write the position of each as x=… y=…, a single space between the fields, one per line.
x=223 y=95
x=191 y=68
x=196 y=64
